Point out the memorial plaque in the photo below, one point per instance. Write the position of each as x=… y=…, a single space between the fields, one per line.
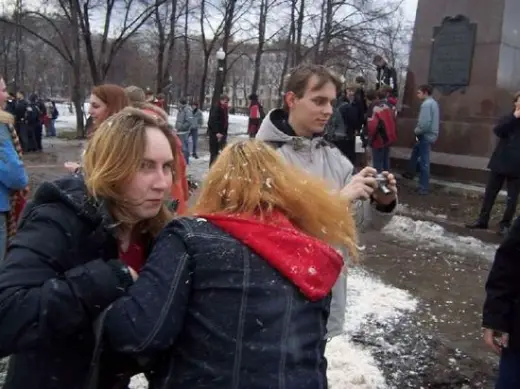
x=452 y=54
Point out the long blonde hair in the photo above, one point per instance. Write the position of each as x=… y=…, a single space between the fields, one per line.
x=250 y=178
x=114 y=155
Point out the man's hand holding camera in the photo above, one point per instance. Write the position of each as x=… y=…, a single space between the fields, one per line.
x=367 y=184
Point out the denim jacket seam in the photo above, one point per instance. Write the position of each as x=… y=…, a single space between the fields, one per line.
x=243 y=308
x=283 y=343
x=164 y=309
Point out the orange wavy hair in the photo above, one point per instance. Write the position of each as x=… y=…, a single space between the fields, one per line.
x=114 y=155
x=250 y=178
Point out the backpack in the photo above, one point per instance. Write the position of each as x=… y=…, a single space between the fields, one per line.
x=335 y=129
x=32 y=114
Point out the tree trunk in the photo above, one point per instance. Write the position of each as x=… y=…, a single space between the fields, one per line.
x=221 y=75
x=299 y=34
x=204 y=78
x=76 y=72
x=186 y=51
x=260 y=47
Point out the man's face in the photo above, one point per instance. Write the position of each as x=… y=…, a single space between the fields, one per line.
x=310 y=113
x=350 y=93
x=421 y=95
x=19 y=96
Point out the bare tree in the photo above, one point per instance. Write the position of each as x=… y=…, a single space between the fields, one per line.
x=61 y=33
x=135 y=15
x=207 y=47
x=165 y=19
x=266 y=7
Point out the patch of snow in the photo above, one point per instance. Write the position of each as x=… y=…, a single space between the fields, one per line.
x=434 y=235
x=67 y=120
x=368 y=300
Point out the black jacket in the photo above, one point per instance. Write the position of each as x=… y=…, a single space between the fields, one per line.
x=57 y=277
x=353 y=114
x=224 y=315
x=387 y=75
x=506 y=157
x=20 y=109
x=218 y=121
x=502 y=304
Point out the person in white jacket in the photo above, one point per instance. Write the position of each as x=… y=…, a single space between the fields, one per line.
x=297 y=132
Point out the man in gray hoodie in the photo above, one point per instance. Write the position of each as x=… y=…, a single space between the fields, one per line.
x=183 y=125
x=297 y=132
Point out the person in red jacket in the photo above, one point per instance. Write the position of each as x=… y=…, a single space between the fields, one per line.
x=382 y=132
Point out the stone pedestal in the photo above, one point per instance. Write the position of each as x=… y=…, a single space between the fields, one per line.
x=468 y=114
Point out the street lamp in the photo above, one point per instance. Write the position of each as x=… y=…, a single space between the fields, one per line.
x=219 y=79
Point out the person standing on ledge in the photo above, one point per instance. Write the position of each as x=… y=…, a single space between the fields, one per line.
x=426 y=133
x=386 y=75
x=504 y=166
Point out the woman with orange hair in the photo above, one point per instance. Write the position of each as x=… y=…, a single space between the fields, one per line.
x=105 y=101
x=238 y=295
x=81 y=241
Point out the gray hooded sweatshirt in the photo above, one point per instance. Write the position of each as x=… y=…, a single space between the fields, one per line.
x=321 y=159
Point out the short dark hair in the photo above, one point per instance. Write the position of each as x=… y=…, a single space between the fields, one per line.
x=224 y=97
x=360 y=79
x=382 y=93
x=371 y=95
x=298 y=78
x=182 y=101
x=517 y=96
x=426 y=88
x=377 y=58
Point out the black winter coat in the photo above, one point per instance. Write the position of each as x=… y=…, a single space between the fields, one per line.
x=56 y=279
x=506 y=157
x=502 y=304
x=218 y=121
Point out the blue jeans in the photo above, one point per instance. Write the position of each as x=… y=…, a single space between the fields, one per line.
x=194 y=133
x=508 y=370
x=381 y=159
x=420 y=161
x=185 y=137
x=3 y=234
x=51 y=128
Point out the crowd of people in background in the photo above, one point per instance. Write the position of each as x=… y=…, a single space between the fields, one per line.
x=31 y=117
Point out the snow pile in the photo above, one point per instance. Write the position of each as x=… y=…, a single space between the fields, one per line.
x=434 y=235
x=369 y=303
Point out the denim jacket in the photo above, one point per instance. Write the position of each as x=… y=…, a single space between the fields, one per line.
x=213 y=313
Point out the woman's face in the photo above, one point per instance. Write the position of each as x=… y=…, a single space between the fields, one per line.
x=148 y=188
x=3 y=93
x=98 y=110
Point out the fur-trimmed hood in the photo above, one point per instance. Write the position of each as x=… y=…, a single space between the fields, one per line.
x=6 y=118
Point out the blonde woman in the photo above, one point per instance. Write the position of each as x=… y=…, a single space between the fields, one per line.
x=238 y=295
x=79 y=244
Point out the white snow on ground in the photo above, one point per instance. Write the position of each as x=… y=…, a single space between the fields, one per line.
x=435 y=236
x=67 y=120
